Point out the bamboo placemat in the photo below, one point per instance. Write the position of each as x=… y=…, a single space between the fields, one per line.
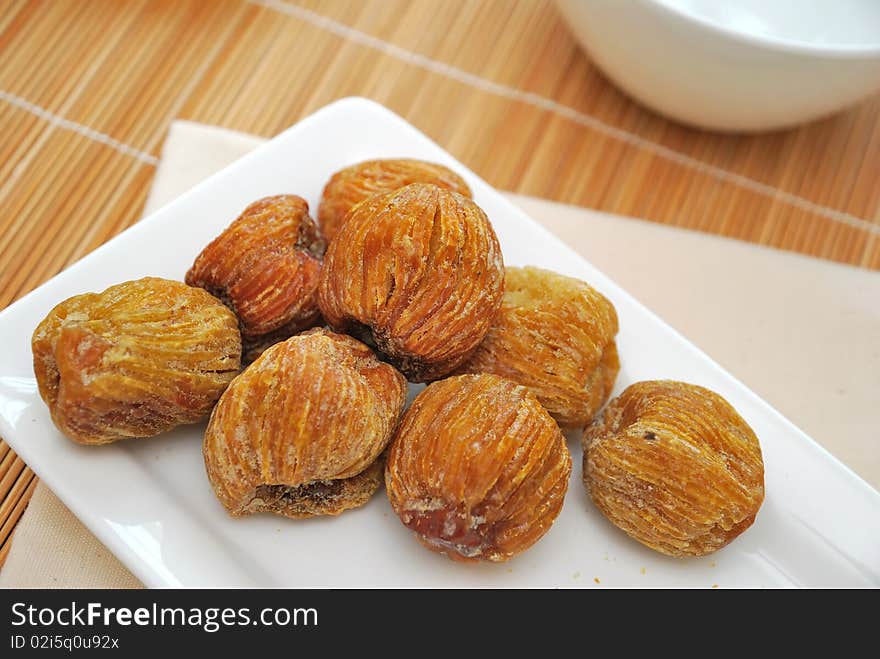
x=88 y=88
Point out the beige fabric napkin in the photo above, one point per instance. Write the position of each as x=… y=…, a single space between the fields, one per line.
x=803 y=333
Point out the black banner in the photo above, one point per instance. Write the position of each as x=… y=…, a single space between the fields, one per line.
x=242 y=620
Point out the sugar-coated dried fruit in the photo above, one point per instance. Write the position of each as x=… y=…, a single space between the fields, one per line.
x=352 y=185
x=555 y=335
x=265 y=267
x=134 y=361
x=418 y=273
x=675 y=467
x=477 y=469
x=301 y=430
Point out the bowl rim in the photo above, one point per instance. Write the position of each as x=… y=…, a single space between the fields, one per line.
x=853 y=51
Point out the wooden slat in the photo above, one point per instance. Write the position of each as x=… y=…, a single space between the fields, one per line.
x=17 y=484
x=12 y=508
x=122 y=71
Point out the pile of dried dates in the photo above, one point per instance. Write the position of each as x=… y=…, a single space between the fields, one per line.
x=298 y=338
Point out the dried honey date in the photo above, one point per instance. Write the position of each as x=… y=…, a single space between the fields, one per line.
x=555 y=335
x=674 y=466
x=265 y=267
x=418 y=273
x=478 y=469
x=134 y=361
x=301 y=430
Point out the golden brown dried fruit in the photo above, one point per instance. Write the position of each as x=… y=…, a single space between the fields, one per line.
x=265 y=267
x=555 y=335
x=418 y=273
x=299 y=432
x=477 y=468
x=134 y=361
x=674 y=466
x=352 y=185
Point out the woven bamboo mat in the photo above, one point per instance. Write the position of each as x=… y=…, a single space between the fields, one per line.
x=88 y=88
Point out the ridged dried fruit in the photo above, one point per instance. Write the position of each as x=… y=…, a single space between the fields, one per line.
x=300 y=431
x=352 y=185
x=477 y=469
x=134 y=361
x=265 y=267
x=555 y=335
x=418 y=273
x=674 y=466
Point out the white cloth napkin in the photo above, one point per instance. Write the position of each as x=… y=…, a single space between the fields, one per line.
x=803 y=333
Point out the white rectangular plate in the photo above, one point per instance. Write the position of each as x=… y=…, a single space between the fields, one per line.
x=149 y=500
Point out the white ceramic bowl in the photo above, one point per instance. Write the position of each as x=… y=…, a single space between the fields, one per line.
x=736 y=65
